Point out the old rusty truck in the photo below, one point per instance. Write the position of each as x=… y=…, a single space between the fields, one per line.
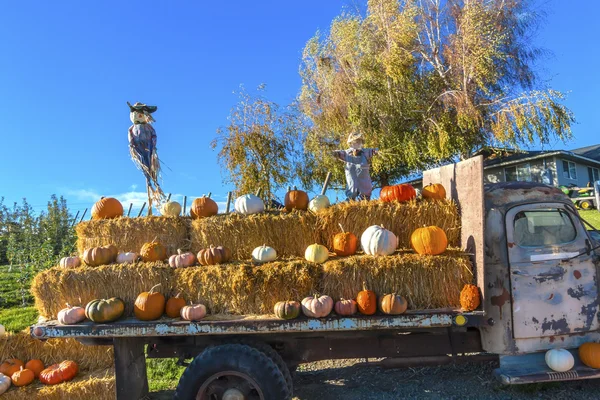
x=534 y=262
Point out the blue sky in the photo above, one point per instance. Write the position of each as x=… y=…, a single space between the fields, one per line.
x=67 y=69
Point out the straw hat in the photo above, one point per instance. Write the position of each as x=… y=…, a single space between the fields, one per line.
x=354 y=136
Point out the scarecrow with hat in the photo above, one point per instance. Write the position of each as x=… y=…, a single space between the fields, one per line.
x=358 y=178
x=142 y=146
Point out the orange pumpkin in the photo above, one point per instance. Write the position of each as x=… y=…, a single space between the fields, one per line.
x=469 y=297
x=36 y=366
x=58 y=373
x=296 y=200
x=107 y=207
x=429 y=240
x=435 y=191
x=149 y=305
x=402 y=192
x=214 y=255
x=203 y=207
x=345 y=307
x=392 y=304
x=589 y=354
x=103 y=255
x=174 y=306
x=22 y=377
x=11 y=366
x=153 y=251
x=366 y=300
x=345 y=243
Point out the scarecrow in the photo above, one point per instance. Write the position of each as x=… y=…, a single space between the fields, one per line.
x=142 y=146
x=358 y=179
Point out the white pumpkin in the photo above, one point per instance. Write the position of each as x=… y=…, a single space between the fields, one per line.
x=319 y=203
x=249 y=204
x=418 y=193
x=127 y=257
x=263 y=254
x=2 y=330
x=316 y=253
x=378 y=241
x=560 y=360
x=69 y=262
x=171 y=209
x=5 y=383
x=71 y=315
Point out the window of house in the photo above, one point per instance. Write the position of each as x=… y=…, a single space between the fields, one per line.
x=569 y=170
x=521 y=173
x=593 y=174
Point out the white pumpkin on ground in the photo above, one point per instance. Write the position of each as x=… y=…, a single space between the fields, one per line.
x=378 y=241
x=263 y=254
x=318 y=203
x=171 y=209
x=5 y=383
x=316 y=253
x=249 y=204
x=2 y=330
x=127 y=257
x=69 y=262
x=560 y=360
x=71 y=315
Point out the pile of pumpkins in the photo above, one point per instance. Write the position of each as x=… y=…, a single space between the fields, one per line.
x=561 y=360
x=14 y=371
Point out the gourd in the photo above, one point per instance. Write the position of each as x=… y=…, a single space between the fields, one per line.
x=58 y=373
x=287 y=309
x=429 y=240
x=71 y=315
x=69 y=262
x=366 y=301
x=106 y=208
x=203 y=207
x=37 y=366
x=104 y=310
x=97 y=256
x=127 y=257
x=435 y=191
x=589 y=354
x=316 y=253
x=559 y=360
x=402 y=192
x=194 y=312
x=378 y=241
x=296 y=200
x=214 y=255
x=392 y=304
x=149 y=305
x=318 y=203
x=345 y=307
x=182 y=260
x=170 y=209
x=153 y=251
x=317 y=306
x=249 y=204
x=469 y=297
x=10 y=366
x=345 y=243
x=174 y=306
x=5 y=383
x=263 y=254
x=22 y=377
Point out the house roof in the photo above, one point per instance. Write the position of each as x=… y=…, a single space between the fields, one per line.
x=589 y=151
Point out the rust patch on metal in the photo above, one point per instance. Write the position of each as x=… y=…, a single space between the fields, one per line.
x=577 y=274
x=500 y=300
x=560 y=326
x=552 y=339
x=511 y=245
x=551 y=296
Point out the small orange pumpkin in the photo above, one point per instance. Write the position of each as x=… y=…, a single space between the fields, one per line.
x=435 y=191
x=214 y=255
x=203 y=207
x=402 y=192
x=392 y=304
x=429 y=240
x=345 y=307
x=58 y=373
x=174 y=306
x=22 y=377
x=102 y=255
x=153 y=251
x=107 y=207
x=345 y=243
x=149 y=305
x=36 y=366
x=296 y=200
x=11 y=366
x=469 y=297
x=589 y=354
x=366 y=300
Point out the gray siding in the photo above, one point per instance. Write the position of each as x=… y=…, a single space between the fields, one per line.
x=582 y=173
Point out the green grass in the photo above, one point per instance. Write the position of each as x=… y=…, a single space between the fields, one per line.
x=163 y=374
x=591 y=216
x=18 y=318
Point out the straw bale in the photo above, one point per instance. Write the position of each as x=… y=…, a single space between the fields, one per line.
x=22 y=346
x=288 y=233
x=54 y=287
x=427 y=282
x=130 y=234
x=400 y=218
x=96 y=385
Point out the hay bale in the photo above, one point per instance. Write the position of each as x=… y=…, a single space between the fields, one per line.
x=427 y=282
x=22 y=346
x=54 y=287
x=400 y=218
x=130 y=234
x=288 y=233
x=96 y=385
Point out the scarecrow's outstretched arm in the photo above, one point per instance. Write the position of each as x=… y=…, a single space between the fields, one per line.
x=339 y=154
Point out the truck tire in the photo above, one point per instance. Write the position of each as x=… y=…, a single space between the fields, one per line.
x=232 y=367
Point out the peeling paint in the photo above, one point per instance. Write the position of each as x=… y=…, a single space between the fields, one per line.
x=577 y=293
x=499 y=301
x=554 y=274
x=559 y=326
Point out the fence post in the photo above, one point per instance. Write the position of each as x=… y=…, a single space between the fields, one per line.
x=597 y=194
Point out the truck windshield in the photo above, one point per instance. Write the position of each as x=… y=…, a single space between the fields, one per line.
x=543 y=228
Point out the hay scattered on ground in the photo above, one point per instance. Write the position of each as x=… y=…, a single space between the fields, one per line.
x=22 y=346
x=96 y=385
x=288 y=233
x=130 y=234
x=55 y=287
x=400 y=218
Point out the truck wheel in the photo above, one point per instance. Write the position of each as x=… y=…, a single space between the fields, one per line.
x=585 y=204
x=232 y=372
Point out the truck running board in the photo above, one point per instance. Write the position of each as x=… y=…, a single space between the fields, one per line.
x=532 y=368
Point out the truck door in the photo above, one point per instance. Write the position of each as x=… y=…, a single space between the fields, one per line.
x=550 y=296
